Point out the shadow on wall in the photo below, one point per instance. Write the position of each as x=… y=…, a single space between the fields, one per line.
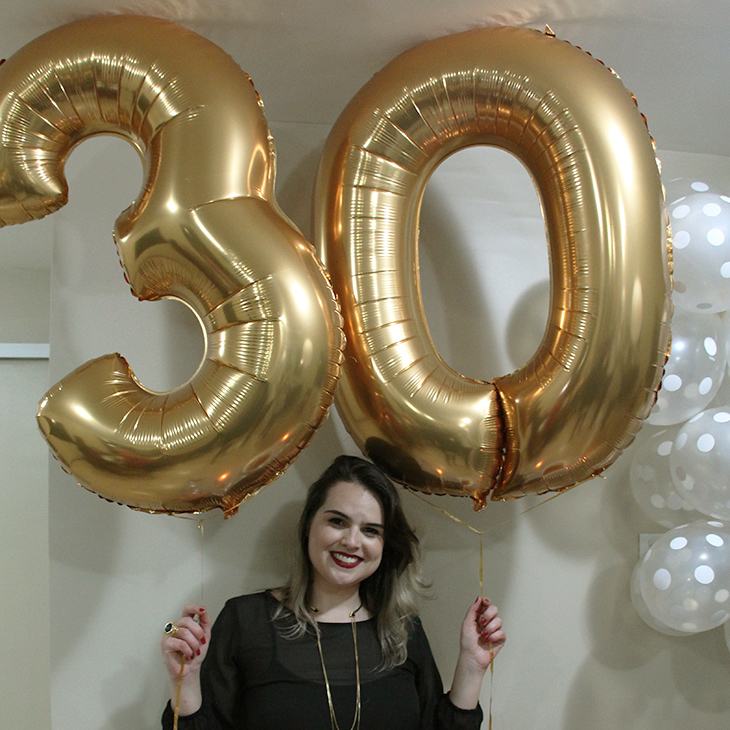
x=647 y=670
x=459 y=321
x=625 y=679
x=297 y=163
x=527 y=322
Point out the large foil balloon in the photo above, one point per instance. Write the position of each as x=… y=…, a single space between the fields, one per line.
x=206 y=230
x=568 y=412
x=695 y=368
x=684 y=577
x=700 y=462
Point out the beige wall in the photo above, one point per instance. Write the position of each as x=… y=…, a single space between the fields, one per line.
x=578 y=656
x=24 y=673
x=24 y=303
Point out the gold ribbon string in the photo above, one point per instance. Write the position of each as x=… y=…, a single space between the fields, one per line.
x=466 y=525
x=463 y=523
x=200 y=526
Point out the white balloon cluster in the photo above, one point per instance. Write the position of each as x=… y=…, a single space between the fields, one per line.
x=651 y=479
x=695 y=368
x=700 y=462
x=684 y=577
x=701 y=244
x=680 y=475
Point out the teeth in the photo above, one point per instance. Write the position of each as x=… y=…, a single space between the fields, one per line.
x=345 y=558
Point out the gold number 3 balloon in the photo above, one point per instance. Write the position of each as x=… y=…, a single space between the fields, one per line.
x=205 y=230
x=569 y=411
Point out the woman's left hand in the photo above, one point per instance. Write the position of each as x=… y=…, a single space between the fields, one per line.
x=482 y=636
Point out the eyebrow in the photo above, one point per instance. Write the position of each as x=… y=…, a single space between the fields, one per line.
x=347 y=517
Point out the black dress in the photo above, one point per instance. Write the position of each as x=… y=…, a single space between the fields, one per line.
x=255 y=679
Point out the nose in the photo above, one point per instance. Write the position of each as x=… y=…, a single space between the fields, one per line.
x=351 y=538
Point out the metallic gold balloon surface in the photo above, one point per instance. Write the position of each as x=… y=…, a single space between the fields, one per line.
x=570 y=410
x=205 y=230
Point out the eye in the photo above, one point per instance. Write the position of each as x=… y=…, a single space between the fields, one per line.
x=371 y=531
x=337 y=521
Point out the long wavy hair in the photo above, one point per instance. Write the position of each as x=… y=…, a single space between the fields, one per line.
x=390 y=593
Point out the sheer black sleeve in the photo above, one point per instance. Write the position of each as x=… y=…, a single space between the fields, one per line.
x=437 y=710
x=219 y=679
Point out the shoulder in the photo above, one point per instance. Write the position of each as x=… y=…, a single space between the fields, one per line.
x=415 y=627
x=249 y=600
x=245 y=621
x=249 y=609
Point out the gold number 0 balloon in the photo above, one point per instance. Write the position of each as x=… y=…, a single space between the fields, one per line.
x=569 y=411
x=205 y=230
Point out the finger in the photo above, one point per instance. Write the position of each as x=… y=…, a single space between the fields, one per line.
x=486 y=618
x=476 y=608
x=178 y=646
x=193 y=609
x=494 y=625
x=193 y=627
x=497 y=639
x=490 y=612
x=489 y=615
x=199 y=615
x=484 y=604
x=203 y=618
x=189 y=638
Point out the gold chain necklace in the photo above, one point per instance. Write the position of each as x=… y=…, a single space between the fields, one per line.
x=333 y=718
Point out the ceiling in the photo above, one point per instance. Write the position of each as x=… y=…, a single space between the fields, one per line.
x=309 y=58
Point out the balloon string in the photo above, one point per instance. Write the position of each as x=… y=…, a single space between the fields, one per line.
x=481 y=564
x=480 y=533
x=201 y=526
x=178 y=692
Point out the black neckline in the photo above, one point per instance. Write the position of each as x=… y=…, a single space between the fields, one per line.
x=269 y=592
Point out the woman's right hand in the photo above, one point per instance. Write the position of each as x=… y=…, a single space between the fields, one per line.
x=191 y=641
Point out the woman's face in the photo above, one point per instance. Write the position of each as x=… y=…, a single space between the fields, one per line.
x=346 y=537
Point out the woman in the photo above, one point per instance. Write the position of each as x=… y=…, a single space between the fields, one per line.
x=340 y=646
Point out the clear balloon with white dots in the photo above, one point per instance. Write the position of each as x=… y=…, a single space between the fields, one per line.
x=695 y=368
x=700 y=462
x=684 y=578
x=644 y=614
x=700 y=219
x=651 y=479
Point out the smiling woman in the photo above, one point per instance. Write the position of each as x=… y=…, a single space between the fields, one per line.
x=340 y=645
x=345 y=543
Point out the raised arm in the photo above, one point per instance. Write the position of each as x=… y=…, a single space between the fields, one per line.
x=186 y=640
x=210 y=686
x=482 y=638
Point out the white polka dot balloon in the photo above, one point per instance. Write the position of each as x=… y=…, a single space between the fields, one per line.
x=701 y=243
x=651 y=479
x=684 y=578
x=644 y=614
x=695 y=368
x=700 y=462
